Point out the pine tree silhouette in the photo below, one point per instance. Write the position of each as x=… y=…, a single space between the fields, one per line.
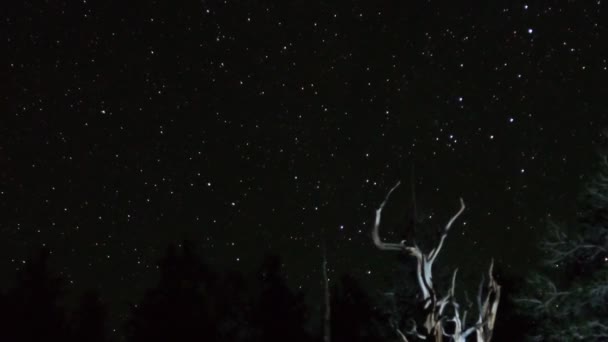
x=88 y=322
x=180 y=308
x=233 y=308
x=568 y=299
x=278 y=314
x=33 y=309
x=354 y=318
x=511 y=325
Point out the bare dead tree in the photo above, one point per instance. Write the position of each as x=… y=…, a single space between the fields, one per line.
x=327 y=313
x=413 y=220
x=437 y=317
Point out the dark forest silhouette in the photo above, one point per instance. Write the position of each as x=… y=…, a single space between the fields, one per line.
x=32 y=310
x=193 y=302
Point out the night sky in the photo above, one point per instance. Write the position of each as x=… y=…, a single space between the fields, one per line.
x=252 y=127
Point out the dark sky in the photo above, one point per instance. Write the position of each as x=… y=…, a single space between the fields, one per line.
x=253 y=126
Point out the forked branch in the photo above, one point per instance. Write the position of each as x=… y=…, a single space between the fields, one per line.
x=436 y=318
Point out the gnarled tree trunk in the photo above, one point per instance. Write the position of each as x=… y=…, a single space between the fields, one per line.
x=437 y=317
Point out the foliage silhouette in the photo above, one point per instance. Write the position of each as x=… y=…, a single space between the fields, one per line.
x=180 y=307
x=568 y=299
x=511 y=325
x=234 y=305
x=33 y=310
x=88 y=322
x=278 y=313
x=354 y=317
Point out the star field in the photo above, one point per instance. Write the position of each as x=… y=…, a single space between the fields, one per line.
x=259 y=126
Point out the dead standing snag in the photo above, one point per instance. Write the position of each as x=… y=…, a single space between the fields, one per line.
x=437 y=318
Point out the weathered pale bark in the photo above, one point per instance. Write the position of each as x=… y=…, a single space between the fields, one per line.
x=437 y=317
